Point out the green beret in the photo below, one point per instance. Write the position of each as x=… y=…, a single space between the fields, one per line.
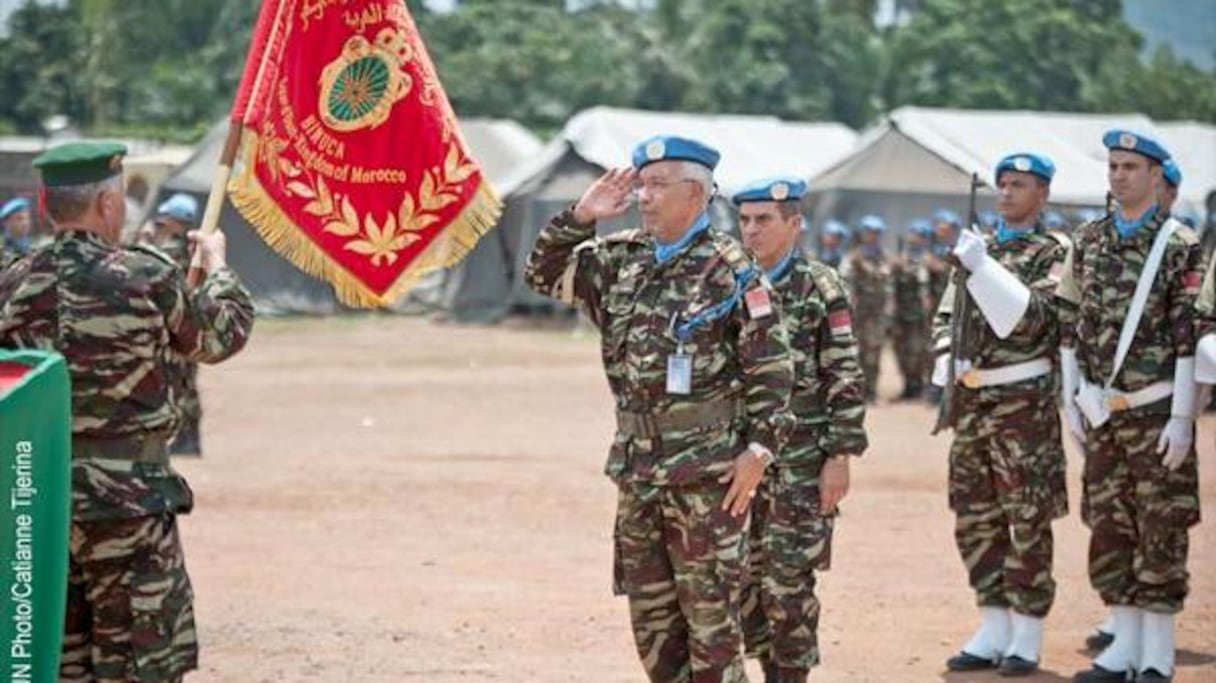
x=80 y=163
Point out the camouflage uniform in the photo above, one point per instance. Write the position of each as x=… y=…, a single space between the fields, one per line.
x=1138 y=511
x=869 y=280
x=790 y=537
x=183 y=372
x=1007 y=465
x=910 y=331
x=679 y=557
x=117 y=315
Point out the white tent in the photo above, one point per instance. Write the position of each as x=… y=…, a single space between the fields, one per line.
x=603 y=137
x=916 y=160
x=277 y=285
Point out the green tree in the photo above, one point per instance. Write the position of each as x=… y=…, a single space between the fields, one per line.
x=38 y=74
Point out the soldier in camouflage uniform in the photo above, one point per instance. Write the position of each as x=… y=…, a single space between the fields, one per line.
x=910 y=331
x=700 y=367
x=1136 y=419
x=791 y=532
x=946 y=224
x=832 y=243
x=15 y=225
x=869 y=278
x=1007 y=480
x=116 y=315
x=174 y=218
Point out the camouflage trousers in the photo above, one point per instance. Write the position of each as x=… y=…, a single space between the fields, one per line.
x=788 y=541
x=911 y=343
x=130 y=614
x=1138 y=513
x=1007 y=484
x=679 y=558
x=870 y=337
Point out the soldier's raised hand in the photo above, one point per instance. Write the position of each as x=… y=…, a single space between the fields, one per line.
x=608 y=197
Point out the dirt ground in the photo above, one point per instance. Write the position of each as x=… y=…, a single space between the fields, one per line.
x=389 y=499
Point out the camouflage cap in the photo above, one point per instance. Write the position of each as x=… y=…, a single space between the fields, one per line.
x=80 y=163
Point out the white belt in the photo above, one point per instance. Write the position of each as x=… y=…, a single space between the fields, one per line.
x=977 y=378
x=1118 y=401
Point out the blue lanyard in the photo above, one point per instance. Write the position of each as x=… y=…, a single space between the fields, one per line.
x=665 y=252
x=685 y=329
x=1008 y=233
x=1128 y=227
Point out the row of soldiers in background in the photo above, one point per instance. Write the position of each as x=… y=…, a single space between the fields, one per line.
x=166 y=231
x=896 y=297
x=739 y=404
x=1113 y=311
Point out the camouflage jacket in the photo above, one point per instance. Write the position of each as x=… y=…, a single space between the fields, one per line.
x=1038 y=261
x=1097 y=287
x=910 y=281
x=869 y=280
x=829 y=390
x=118 y=315
x=638 y=306
x=1205 y=306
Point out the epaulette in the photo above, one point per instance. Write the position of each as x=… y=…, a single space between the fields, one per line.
x=1186 y=233
x=826 y=281
x=630 y=235
x=735 y=256
x=1061 y=238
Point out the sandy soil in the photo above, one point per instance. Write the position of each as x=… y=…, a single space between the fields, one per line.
x=387 y=499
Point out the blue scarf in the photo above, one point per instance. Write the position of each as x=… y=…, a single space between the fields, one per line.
x=1127 y=228
x=1008 y=233
x=780 y=269
x=665 y=252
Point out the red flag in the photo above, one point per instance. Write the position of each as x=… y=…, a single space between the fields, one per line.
x=351 y=164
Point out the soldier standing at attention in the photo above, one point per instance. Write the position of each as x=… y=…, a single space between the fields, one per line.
x=910 y=331
x=699 y=365
x=174 y=218
x=115 y=314
x=791 y=532
x=946 y=224
x=1128 y=363
x=833 y=242
x=869 y=277
x=1007 y=478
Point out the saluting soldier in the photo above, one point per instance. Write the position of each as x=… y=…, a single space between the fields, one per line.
x=699 y=364
x=912 y=316
x=869 y=277
x=792 y=520
x=115 y=314
x=1128 y=364
x=1007 y=478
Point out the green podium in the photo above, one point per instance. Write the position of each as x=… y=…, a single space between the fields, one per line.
x=35 y=512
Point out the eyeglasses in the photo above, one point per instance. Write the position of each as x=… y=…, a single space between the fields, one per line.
x=653 y=186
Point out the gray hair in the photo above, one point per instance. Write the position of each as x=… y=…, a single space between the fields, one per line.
x=69 y=202
x=704 y=177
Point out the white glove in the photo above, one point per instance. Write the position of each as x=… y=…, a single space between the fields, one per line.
x=1179 y=433
x=941 y=370
x=970 y=249
x=1175 y=441
x=1070 y=382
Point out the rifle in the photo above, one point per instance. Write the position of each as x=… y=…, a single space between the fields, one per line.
x=947 y=411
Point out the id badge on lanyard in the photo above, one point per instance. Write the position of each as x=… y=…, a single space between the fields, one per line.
x=679 y=372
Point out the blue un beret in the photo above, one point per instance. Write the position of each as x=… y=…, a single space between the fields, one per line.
x=872 y=222
x=835 y=227
x=778 y=189
x=12 y=206
x=1026 y=162
x=921 y=226
x=180 y=206
x=1135 y=142
x=1173 y=174
x=946 y=216
x=674 y=148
